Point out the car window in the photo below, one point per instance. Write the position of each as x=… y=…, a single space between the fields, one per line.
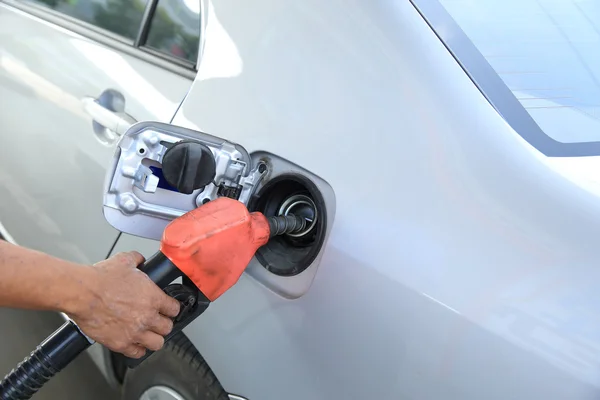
x=175 y=28
x=546 y=52
x=122 y=17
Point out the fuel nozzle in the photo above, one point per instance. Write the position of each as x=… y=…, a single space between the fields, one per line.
x=209 y=248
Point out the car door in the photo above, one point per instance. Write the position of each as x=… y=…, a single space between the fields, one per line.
x=71 y=72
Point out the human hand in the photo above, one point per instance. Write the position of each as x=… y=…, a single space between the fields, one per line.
x=123 y=309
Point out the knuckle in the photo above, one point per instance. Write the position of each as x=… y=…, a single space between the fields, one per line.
x=157 y=299
x=168 y=326
x=129 y=337
x=173 y=305
x=148 y=326
x=136 y=258
x=159 y=343
x=166 y=306
x=134 y=350
x=164 y=326
x=136 y=354
x=129 y=258
x=121 y=256
x=141 y=328
x=119 y=347
x=153 y=318
x=156 y=321
x=156 y=343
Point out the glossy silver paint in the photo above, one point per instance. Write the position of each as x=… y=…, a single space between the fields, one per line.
x=51 y=162
x=462 y=263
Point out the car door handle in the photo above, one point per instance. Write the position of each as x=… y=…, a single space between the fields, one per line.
x=106 y=118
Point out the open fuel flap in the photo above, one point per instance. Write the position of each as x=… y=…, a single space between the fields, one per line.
x=160 y=172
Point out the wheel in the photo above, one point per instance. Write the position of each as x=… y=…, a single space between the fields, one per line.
x=176 y=372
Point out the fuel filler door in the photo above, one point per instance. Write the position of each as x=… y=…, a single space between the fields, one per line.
x=160 y=171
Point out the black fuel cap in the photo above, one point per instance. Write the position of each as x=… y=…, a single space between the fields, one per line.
x=188 y=165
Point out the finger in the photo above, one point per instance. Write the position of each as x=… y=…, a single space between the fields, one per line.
x=161 y=325
x=168 y=306
x=135 y=258
x=128 y=259
x=134 y=351
x=151 y=341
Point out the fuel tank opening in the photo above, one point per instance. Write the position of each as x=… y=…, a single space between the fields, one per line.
x=302 y=206
x=291 y=194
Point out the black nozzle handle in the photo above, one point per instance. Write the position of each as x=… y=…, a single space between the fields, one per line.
x=49 y=358
x=67 y=342
x=160 y=270
x=163 y=272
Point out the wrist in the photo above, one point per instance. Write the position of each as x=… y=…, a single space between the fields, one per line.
x=78 y=296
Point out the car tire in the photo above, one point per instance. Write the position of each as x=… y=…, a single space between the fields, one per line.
x=176 y=372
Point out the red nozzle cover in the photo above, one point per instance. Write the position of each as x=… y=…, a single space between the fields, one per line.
x=214 y=243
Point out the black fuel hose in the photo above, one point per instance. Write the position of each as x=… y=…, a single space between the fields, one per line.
x=67 y=342
x=49 y=358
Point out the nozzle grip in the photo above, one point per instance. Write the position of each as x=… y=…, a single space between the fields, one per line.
x=193 y=302
x=160 y=270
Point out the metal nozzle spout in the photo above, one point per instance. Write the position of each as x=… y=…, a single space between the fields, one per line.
x=284 y=224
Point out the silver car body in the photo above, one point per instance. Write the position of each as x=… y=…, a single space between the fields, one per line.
x=461 y=261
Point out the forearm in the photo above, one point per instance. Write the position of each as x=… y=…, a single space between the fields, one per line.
x=34 y=280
